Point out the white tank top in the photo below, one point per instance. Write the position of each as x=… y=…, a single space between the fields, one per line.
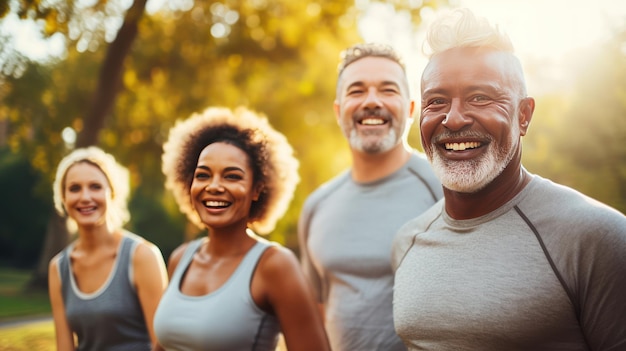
x=225 y=319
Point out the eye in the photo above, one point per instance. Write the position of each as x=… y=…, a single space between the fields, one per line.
x=234 y=176
x=202 y=175
x=74 y=188
x=95 y=186
x=390 y=89
x=480 y=98
x=354 y=92
x=436 y=101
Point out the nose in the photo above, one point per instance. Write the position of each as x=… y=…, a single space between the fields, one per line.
x=456 y=118
x=214 y=186
x=372 y=100
x=85 y=195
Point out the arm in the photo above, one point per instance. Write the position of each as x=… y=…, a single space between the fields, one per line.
x=309 y=271
x=289 y=296
x=171 y=267
x=64 y=335
x=603 y=283
x=150 y=280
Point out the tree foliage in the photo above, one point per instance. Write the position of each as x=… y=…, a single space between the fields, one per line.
x=577 y=138
x=277 y=57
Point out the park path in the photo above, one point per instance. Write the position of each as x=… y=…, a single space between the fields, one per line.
x=17 y=322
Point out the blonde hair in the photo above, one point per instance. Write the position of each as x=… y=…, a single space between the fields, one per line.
x=117 y=176
x=269 y=152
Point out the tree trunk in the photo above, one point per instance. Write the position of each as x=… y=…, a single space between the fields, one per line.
x=57 y=238
x=109 y=81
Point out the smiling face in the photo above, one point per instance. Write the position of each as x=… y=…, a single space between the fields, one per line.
x=473 y=115
x=223 y=186
x=86 y=194
x=373 y=107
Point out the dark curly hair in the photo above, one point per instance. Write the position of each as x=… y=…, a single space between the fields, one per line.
x=269 y=153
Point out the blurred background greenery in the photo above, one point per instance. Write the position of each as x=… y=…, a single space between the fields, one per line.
x=119 y=73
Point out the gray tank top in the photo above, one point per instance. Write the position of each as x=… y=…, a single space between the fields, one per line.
x=226 y=319
x=110 y=318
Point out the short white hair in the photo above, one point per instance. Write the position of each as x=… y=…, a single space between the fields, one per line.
x=461 y=28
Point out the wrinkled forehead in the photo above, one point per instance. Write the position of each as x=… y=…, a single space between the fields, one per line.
x=467 y=65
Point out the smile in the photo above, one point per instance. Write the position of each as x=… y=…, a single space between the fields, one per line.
x=216 y=204
x=462 y=146
x=370 y=121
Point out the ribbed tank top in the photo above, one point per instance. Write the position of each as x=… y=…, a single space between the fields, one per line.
x=111 y=317
x=225 y=319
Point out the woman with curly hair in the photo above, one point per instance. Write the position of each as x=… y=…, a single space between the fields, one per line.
x=232 y=173
x=105 y=286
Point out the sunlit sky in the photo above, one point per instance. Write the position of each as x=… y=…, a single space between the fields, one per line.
x=549 y=31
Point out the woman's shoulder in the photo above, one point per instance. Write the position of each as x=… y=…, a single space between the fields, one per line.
x=277 y=259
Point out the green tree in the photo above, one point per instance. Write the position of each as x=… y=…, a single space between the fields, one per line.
x=593 y=141
x=276 y=57
x=576 y=138
x=23 y=216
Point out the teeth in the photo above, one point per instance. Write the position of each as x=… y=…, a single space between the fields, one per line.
x=372 y=121
x=216 y=203
x=462 y=146
x=86 y=209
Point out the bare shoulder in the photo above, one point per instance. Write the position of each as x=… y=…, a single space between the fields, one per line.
x=146 y=250
x=53 y=265
x=178 y=252
x=175 y=257
x=278 y=259
x=54 y=261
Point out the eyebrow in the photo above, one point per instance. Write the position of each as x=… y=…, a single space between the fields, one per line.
x=483 y=87
x=383 y=83
x=227 y=169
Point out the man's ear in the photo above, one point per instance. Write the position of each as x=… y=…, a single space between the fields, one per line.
x=526 y=110
x=336 y=108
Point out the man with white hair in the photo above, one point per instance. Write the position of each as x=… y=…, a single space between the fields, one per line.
x=508 y=260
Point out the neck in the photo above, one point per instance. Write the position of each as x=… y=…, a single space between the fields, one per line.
x=371 y=167
x=233 y=240
x=501 y=190
x=94 y=237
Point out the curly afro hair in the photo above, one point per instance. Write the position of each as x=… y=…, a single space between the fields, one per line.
x=270 y=155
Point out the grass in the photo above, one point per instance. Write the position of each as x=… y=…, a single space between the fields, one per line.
x=16 y=300
x=37 y=336
x=18 y=304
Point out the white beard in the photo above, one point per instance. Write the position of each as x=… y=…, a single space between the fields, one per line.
x=470 y=176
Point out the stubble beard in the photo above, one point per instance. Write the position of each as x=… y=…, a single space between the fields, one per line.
x=373 y=141
x=375 y=146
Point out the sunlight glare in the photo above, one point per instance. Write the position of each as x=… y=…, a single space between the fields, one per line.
x=551 y=34
x=27 y=39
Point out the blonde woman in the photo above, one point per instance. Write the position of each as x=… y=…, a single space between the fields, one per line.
x=233 y=174
x=105 y=286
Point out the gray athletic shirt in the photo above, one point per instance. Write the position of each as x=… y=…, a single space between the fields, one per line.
x=546 y=271
x=110 y=318
x=345 y=233
x=226 y=319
